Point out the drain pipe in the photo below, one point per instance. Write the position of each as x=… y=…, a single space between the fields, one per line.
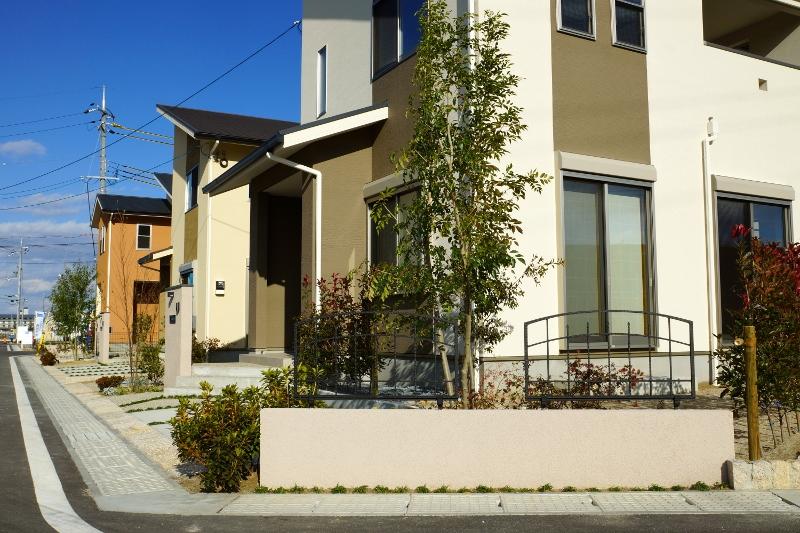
x=713 y=131
x=317 y=215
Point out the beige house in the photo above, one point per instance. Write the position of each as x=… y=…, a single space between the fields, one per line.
x=211 y=235
x=664 y=124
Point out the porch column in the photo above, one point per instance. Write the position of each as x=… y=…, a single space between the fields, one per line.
x=103 y=325
x=178 y=334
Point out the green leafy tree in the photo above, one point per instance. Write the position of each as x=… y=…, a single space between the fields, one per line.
x=73 y=301
x=458 y=237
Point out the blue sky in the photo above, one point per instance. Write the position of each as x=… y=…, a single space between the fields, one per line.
x=55 y=57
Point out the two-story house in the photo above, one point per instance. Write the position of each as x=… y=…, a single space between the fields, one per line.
x=663 y=123
x=129 y=229
x=211 y=236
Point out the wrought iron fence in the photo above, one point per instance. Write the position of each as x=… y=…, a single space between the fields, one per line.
x=609 y=355
x=386 y=355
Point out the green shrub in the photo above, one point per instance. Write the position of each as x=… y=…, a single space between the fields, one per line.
x=483 y=489
x=507 y=489
x=615 y=489
x=569 y=488
x=297 y=490
x=547 y=487
x=380 y=489
x=150 y=363
x=47 y=357
x=201 y=349
x=400 y=490
x=338 y=489
x=656 y=488
x=361 y=489
x=677 y=488
x=220 y=433
x=441 y=490
x=422 y=489
x=106 y=382
x=699 y=486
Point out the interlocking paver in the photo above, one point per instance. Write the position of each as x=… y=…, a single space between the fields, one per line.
x=739 y=502
x=113 y=467
x=273 y=504
x=643 y=502
x=547 y=503
x=449 y=504
x=363 y=505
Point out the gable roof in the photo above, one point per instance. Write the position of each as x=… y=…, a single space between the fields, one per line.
x=289 y=140
x=131 y=205
x=240 y=129
x=165 y=179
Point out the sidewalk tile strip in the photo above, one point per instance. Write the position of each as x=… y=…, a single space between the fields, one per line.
x=454 y=504
x=547 y=503
x=273 y=504
x=740 y=502
x=643 y=502
x=112 y=466
x=362 y=505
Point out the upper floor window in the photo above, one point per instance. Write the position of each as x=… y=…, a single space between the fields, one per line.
x=576 y=16
x=395 y=32
x=143 y=234
x=322 y=81
x=629 y=23
x=102 y=244
x=192 y=183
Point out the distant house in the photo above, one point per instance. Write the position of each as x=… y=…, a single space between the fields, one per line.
x=211 y=236
x=133 y=259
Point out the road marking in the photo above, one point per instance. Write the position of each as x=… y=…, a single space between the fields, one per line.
x=50 y=497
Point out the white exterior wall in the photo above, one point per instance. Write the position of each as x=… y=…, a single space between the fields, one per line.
x=529 y=43
x=178 y=198
x=345 y=28
x=688 y=83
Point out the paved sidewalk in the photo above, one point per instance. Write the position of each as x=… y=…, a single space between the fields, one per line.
x=121 y=480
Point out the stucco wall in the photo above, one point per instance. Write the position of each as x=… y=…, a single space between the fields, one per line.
x=582 y=448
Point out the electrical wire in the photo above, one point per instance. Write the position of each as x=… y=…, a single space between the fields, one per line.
x=272 y=41
x=41 y=120
x=47 y=129
x=131 y=136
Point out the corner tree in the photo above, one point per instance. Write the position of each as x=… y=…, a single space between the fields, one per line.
x=458 y=237
x=73 y=301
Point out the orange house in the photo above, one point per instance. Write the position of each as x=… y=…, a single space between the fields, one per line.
x=131 y=230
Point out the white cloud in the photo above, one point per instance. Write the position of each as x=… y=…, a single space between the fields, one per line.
x=23 y=148
x=51 y=204
x=44 y=227
x=36 y=285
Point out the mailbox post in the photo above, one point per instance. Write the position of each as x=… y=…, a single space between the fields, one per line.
x=178 y=334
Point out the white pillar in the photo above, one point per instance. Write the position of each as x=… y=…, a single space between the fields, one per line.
x=103 y=327
x=178 y=335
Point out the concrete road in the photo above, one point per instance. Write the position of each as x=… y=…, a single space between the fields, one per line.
x=20 y=511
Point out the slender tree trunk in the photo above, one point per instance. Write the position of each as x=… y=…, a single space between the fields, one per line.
x=772 y=429
x=466 y=365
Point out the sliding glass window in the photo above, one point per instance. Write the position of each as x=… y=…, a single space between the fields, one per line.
x=768 y=220
x=608 y=261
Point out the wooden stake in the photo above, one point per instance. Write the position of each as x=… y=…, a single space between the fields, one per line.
x=751 y=392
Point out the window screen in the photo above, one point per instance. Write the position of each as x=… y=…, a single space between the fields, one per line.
x=629 y=17
x=576 y=15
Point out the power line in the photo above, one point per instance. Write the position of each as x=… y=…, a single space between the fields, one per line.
x=41 y=120
x=272 y=41
x=47 y=129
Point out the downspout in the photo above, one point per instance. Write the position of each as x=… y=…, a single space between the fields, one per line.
x=108 y=264
x=317 y=216
x=207 y=292
x=711 y=281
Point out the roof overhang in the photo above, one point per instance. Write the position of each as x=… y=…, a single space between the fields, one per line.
x=291 y=140
x=155 y=256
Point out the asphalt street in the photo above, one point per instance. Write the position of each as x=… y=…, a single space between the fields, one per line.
x=19 y=510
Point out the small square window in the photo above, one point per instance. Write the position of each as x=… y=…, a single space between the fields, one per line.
x=576 y=16
x=143 y=232
x=629 y=23
x=763 y=84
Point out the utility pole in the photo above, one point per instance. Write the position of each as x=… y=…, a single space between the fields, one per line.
x=103 y=161
x=22 y=251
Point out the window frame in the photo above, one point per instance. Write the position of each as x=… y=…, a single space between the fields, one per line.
x=400 y=56
x=616 y=42
x=149 y=236
x=102 y=239
x=750 y=199
x=189 y=187
x=395 y=199
x=650 y=234
x=578 y=33
x=322 y=81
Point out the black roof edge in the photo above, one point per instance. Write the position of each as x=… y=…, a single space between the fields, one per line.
x=276 y=140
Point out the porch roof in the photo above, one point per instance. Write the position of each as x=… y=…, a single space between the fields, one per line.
x=288 y=141
x=155 y=256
